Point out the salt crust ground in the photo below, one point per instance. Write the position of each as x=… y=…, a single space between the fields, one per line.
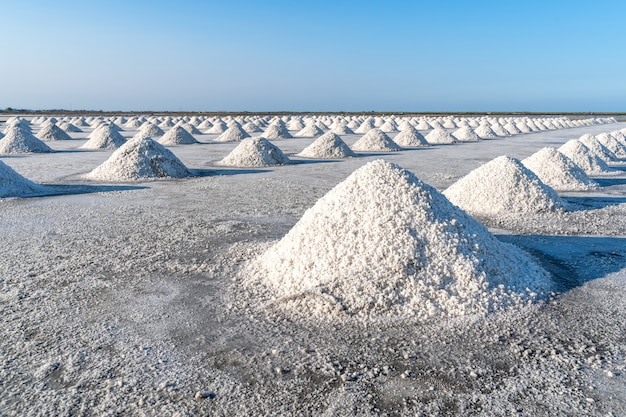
x=117 y=304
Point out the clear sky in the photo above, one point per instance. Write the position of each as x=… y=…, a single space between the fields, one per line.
x=339 y=55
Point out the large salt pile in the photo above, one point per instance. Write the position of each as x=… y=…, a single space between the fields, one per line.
x=466 y=134
x=610 y=141
x=375 y=140
x=327 y=146
x=235 y=133
x=558 y=171
x=18 y=139
x=13 y=184
x=484 y=131
x=309 y=131
x=384 y=244
x=440 y=136
x=503 y=186
x=582 y=156
x=105 y=136
x=137 y=159
x=177 y=135
x=255 y=152
x=409 y=137
x=277 y=130
x=598 y=148
x=52 y=132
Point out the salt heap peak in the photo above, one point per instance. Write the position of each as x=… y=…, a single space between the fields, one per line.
x=439 y=136
x=327 y=146
x=558 y=171
x=19 y=140
x=104 y=137
x=501 y=186
x=52 y=132
x=13 y=184
x=383 y=244
x=375 y=140
x=277 y=130
x=582 y=156
x=235 y=133
x=255 y=152
x=466 y=134
x=409 y=137
x=177 y=135
x=310 y=131
x=137 y=159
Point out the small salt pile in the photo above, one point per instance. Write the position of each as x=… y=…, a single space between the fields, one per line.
x=18 y=139
x=189 y=128
x=177 y=135
x=235 y=133
x=133 y=123
x=104 y=137
x=598 y=148
x=422 y=125
x=68 y=127
x=138 y=159
x=466 y=134
x=310 y=131
x=255 y=152
x=327 y=146
x=439 y=136
x=499 y=130
x=503 y=186
x=149 y=129
x=342 y=129
x=558 y=171
x=375 y=140
x=251 y=127
x=383 y=244
x=582 y=156
x=388 y=127
x=218 y=127
x=52 y=132
x=295 y=124
x=484 y=131
x=277 y=130
x=13 y=184
x=366 y=126
x=409 y=137
x=511 y=129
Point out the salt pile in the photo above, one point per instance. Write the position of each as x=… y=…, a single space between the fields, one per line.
x=484 y=131
x=598 y=148
x=511 y=128
x=375 y=140
x=137 y=159
x=365 y=126
x=177 y=135
x=151 y=130
x=277 y=130
x=503 y=186
x=342 y=129
x=409 y=137
x=384 y=244
x=613 y=144
x=499 y=130
x=190 y=128
x=70 y=128
x=295 y=124
x=422 y=125
x=440 y=136
x=18 y=139
x=310 y=131
x=255 y=152
x=327 y=146
x=52 y=132
x=218 y=128
x=388 y=127
x=251 y=127
x=582 y=156
x=558 y=171
x=13 y=184
x=466 y=134
x=104 y=137
x=235 y=133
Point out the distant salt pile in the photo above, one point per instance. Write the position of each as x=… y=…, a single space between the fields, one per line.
x=409 y=137
x=499 y=130
x=523 y=127
x=440 y=136
x=310 y=131
x=189 y=128
x=511 y=129
x=466 y=134
x=375 y=140
x=14 y=185
x=18 y=139
x=133 y=123
x=342 y=129
x=104 y=136
x=151 y=130
x=251 y=127
x=484 y=131
x=388 y=127
x=383 y=244
x=138 y=159
x=558 y=171
x=218 y=127
x=205 y=124
x=448 y=124
x=177 y=135
x=598 y=148
x=68 y=127
x=277 y=130
x=503 y=186
x=327 y=146
x=255 y=152
x=582 y=156
x=422 y=125
x=365 y=126
x=613 y=144
x=235 y=133
x=52 y=132
x=295 y=124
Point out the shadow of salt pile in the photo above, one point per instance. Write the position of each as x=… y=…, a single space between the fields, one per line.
x=573 y=260
x=55 y=190
x=582 y=203
x=609 y=182
x=214 y=172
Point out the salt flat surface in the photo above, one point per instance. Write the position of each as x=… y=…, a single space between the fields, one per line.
x=119 y=299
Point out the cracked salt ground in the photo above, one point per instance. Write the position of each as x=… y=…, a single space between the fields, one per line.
x=121 y=302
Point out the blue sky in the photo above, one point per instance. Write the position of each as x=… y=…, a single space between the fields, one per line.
x=313 y=56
